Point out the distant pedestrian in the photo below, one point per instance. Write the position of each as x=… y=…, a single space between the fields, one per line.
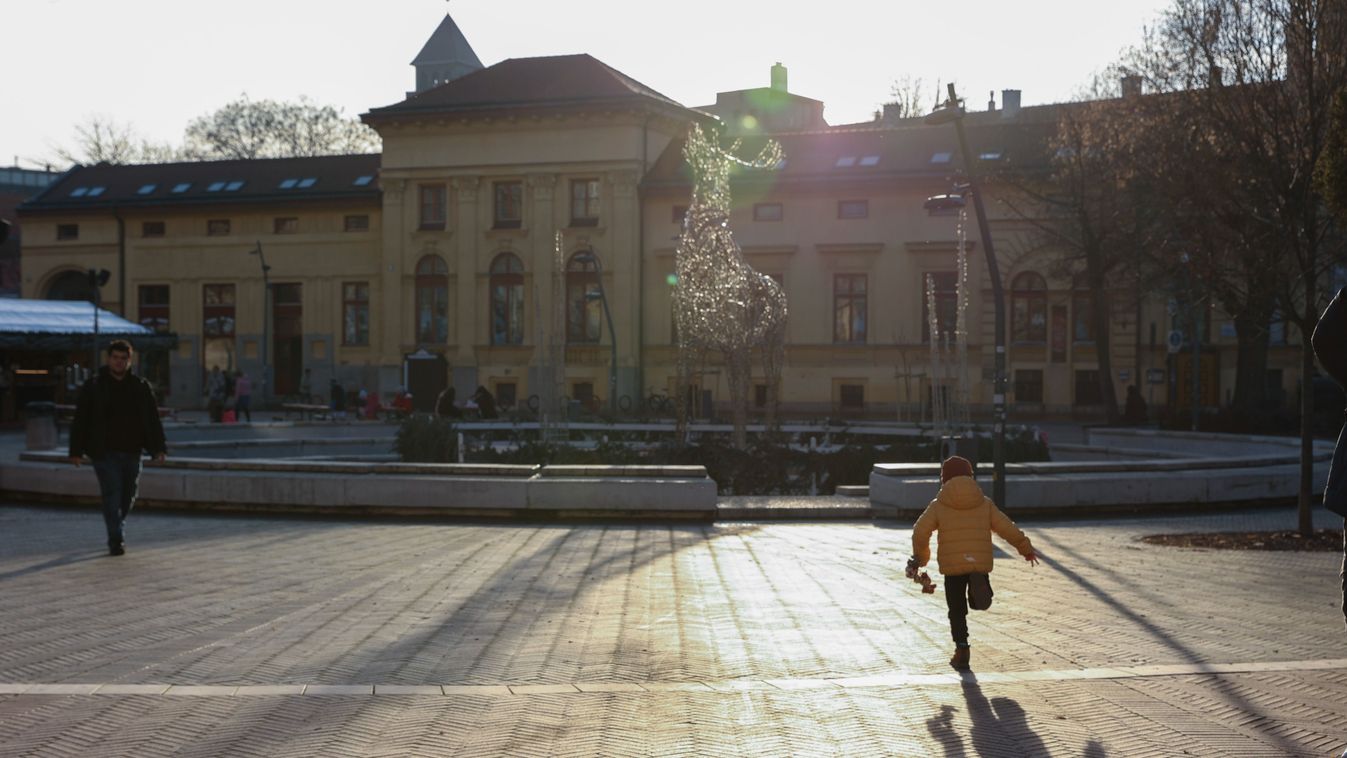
x=116 y=418
x=1134 y=411
x=1330 y=347
x=216 y=392
x=965 y=519
x=486 y=402
x=445 y=407
x=338 y=399
x=243 y=397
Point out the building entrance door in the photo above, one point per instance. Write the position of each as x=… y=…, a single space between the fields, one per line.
x=287 y=346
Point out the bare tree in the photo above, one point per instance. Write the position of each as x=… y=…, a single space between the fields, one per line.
x=1331 y=173
x=909 y=98
x=1258 y=77
x=246 y=129
x=103 y=139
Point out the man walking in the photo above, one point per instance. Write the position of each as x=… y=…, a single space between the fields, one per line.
x=116 y=417
x=1330 y=347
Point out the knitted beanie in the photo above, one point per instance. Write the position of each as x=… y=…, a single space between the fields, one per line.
x=955 y=466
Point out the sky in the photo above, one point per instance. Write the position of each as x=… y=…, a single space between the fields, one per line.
x=157 y=64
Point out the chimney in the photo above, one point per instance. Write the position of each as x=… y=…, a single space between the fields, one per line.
x=991 y=101
x=1131 y=86
x=892 y=112
x=779 y=77
x=1010 y=103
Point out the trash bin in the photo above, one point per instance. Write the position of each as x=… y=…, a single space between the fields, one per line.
x=40 y=422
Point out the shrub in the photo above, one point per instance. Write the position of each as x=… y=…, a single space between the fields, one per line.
x=426 y=439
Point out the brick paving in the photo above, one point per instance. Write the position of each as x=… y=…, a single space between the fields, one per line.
x=260 y=636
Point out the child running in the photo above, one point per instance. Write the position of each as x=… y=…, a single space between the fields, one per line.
x=965 y=519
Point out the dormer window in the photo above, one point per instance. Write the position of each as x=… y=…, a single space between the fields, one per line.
x=846 y=161
x=870 y=160
x=146 y=189
x=307 y=182
x=181 y=188
x=215 y=186
x=943 y=157
x=289 y=183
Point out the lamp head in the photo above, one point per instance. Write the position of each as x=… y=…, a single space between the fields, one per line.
x=949 y=202
x=945 y=114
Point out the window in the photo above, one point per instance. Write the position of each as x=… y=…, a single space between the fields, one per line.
x=941 y=157
x=680 y=212
x=79 y=192
x=583 y=308
x=285 y=225
x=154 y=306
x=849 y=308
x=215 y=186
x=363 y=181
x=181 y=187
x=307 y=182
x=1087 y=388
x=1028 y=308
x=432 y=300
x=851 y=396
x=152 y=229
x=507 y=394
x=1082 y=318
x=583 y=392
x=946 y=297
x=357 y=223
x=509 y=205
x=234 y=186
x=288 y=183
x=355 y=313
x=507 y=300
x=759 y=396
x=767 y=212
x=146 y=189
x=67 y=231
x=96 y=191
x=217 y=227
x=1029 y=385
x=217 y=327
x=845 y=161
x=870 y=160
x=433 y=210
x=585 y=202
x=848 y=209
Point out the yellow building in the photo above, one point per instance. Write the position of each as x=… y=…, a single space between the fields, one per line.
x=435 y=262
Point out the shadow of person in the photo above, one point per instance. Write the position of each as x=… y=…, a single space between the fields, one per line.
x=942 y=730
x=1094 y=749
x=62 y=560
x=1000 y=726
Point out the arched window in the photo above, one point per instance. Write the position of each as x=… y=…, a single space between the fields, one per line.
x=1028 y=308
x=1082 y=312
x=507 y=300
x=583 y=308
x=432 y=300
x=71 y=285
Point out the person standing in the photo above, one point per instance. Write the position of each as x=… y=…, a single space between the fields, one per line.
x=116 y=418
x=1330 y=347
x=215 y=394
x=243 y=397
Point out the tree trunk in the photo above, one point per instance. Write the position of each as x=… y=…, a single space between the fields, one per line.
x=1103 y=346
x=1251 y=331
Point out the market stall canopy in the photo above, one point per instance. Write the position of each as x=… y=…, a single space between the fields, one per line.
x=69 y=325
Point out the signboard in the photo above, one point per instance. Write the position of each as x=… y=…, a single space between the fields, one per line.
x=1174 y=341
x=1155 y=376
x=1124 y=375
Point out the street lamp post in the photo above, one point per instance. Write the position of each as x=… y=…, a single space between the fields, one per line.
x=952 y=112
x=266 y=321
x=590 y=257
x=97 y=278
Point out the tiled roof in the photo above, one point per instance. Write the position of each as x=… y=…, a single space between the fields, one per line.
x=875 y=149
x=209 y=182
x=528 y=82
x=448 y=44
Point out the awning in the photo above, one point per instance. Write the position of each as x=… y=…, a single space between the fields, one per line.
x=69 y=325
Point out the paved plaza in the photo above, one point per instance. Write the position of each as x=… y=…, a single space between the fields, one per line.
x=238 y=636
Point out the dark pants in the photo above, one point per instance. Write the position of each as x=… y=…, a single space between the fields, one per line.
x=1343 y=574
x=118 y=474
x=243 y=407
x=956 y=599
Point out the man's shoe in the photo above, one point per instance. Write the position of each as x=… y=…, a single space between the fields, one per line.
x=960 y=661
x=116 y=549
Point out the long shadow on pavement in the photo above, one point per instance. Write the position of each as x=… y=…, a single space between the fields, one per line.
x=1221 y=686
x=999 y=726
x=57 y=562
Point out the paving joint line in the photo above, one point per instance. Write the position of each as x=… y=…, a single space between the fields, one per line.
x=870 y=681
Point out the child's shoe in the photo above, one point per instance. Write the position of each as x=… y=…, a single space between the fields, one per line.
x=960 y=661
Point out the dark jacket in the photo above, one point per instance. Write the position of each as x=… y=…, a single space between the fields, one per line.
x=1330 y=347
x=88 y=433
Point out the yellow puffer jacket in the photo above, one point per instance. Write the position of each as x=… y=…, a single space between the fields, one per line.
x=965 y=519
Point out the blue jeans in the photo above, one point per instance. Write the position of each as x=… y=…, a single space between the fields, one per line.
x=118 y=475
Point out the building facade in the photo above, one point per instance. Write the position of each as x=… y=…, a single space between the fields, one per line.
x=473 y=249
